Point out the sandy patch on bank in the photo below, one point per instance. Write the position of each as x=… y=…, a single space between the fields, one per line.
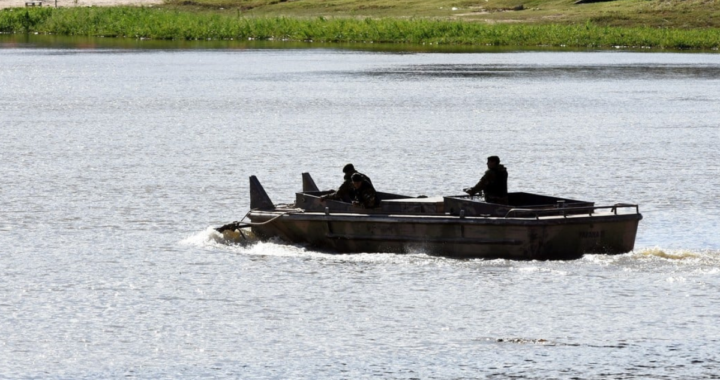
x=79 y=3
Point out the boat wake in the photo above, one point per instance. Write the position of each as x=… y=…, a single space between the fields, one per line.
x=659 y=259
x=249 y=244
x=211 y=239
x=708 y=256
x=675 y=254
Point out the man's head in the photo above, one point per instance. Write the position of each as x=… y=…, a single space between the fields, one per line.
x=493 y=162
x=357 y=180
x=348 y=169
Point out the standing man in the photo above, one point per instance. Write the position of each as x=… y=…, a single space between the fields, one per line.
x=493 y=184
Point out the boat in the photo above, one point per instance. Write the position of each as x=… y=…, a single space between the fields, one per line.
x=530 y=227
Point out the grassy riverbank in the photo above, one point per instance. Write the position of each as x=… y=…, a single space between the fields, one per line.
x=682 y=14
x=165 y=23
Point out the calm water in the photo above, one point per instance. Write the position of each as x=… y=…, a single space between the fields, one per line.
x=115 y=163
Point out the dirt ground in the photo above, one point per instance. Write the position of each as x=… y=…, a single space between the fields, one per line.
x=77 y=3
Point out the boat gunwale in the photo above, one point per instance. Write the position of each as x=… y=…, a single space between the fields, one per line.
x=295 y=215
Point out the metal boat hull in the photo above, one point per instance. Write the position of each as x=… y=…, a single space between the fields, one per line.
x=542 y=238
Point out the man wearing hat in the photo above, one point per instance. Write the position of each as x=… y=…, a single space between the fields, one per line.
x=493 y=184
x=346 y=191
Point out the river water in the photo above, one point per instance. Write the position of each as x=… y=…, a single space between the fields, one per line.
x=116 y=162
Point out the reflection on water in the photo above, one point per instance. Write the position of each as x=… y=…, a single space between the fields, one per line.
x=115 y=162
x=638 y=71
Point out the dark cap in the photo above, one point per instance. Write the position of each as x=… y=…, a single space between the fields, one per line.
x=494 y=159
x=349 y=168
x=357 y=177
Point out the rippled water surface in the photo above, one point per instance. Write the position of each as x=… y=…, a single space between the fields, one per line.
x=116 y=163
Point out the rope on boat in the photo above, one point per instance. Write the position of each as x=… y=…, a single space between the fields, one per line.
x=240 y=224
x=265 y=222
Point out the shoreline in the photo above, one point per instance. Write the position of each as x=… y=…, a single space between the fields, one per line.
x=98 y=42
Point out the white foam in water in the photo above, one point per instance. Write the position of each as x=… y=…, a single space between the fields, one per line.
x=660 y=260
x=211 y=239
x=539 y=269
x=208 y=237
x=275 y=247
x=675 y=254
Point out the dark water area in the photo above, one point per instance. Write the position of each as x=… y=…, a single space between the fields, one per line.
x=118 y=160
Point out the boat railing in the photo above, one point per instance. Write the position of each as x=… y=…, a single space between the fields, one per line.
x=589 y=210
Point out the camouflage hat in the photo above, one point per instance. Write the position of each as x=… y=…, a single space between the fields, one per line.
x=349 y=168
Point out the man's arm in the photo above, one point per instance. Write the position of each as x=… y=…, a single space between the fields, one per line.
x=482 y=184
x=341 y=193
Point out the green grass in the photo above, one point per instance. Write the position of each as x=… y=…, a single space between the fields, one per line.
x=169 y=24
x=659 y=13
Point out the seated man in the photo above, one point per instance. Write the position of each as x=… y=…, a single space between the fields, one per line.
x=346 y=191
x=493 y=183
x=365 y=194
